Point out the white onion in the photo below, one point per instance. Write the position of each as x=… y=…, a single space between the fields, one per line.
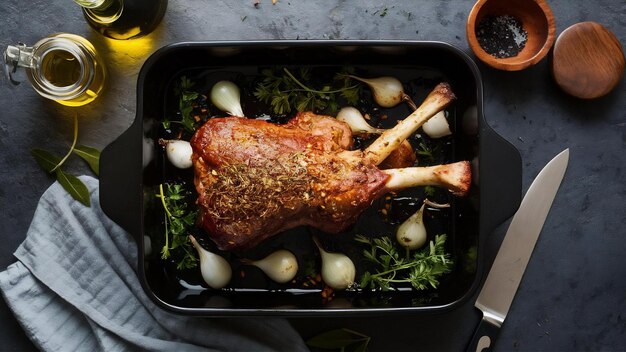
x=411 y=234
x=387 y=91
x=280 y=266
x=225 y=95
x=353 y=117
x=178 y=153
x=338 y=270
x=215 y=270
x=437 y=126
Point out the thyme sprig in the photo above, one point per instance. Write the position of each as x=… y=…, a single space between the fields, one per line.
x=287 y=91
x=178 y=220
x=421 y=269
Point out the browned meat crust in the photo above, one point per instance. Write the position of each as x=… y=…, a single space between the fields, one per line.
x=256 y=179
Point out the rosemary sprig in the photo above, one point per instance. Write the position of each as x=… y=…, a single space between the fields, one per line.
x=287 y=91
x=178 y=220
x=421 y=269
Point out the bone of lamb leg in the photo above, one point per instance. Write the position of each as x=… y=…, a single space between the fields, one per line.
x=456 y=177
x=438 y=99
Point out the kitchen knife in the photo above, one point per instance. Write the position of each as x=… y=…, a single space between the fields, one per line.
x=508 y=268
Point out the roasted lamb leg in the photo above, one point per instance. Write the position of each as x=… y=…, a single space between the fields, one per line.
x=256 y=179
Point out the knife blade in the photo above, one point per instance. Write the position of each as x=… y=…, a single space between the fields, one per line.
x=507 y=270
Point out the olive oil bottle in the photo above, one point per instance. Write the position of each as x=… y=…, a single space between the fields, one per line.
x=123 y=19
x=63 y=67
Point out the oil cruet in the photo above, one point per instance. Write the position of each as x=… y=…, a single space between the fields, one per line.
x=123 y=19
x=63 y=67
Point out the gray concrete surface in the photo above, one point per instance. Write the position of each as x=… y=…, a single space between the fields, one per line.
x=573 y=296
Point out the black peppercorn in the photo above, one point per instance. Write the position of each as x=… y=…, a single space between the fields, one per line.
x=501 y=36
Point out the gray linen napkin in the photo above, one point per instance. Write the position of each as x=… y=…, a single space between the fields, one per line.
x=74 y=288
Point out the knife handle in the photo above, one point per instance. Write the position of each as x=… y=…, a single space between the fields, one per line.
x=484 y=337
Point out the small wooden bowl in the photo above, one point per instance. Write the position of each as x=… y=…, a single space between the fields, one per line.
x=535 y=16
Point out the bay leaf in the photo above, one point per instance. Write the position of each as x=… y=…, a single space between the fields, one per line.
x=74 y=186
x=45 y=160
x=90 y=155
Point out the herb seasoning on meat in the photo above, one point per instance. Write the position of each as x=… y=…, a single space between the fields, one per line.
x=501 y=36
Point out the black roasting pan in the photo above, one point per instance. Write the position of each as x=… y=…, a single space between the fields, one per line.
x=133 y=166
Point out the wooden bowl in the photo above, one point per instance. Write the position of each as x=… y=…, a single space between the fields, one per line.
x=537 y=20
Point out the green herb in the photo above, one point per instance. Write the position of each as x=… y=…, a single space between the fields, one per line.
x=426 y=154
x=90 y=155
x=46 y=161
x=340 y=339
x=186 y=104
x=52 y=164
x=185 y=84
x=74 y=186
x=430 y=191
x=186 y=107
x=287 y=91
x=421 y=269
x=178 y=221
x=381 y=12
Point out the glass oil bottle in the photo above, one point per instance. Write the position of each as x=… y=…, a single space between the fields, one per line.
x=63 y=67
x=123 y=19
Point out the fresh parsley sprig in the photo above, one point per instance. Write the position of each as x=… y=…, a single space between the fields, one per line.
x=285 y=91
x=178 y=220
x=187 y=102
x=421 y=268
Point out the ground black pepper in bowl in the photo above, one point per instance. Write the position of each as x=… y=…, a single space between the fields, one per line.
x=501 y=36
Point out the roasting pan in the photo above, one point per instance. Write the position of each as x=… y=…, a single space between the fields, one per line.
x=132 y=167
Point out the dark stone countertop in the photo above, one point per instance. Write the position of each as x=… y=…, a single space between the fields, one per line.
x=573 y=295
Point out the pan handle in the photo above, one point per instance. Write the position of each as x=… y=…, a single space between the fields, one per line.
x=500 y=175
x=121 y=180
